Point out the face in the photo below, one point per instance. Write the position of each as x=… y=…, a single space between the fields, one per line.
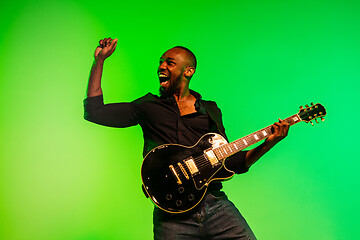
x=173 y=63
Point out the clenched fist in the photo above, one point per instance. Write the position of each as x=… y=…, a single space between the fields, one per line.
x=105 y=49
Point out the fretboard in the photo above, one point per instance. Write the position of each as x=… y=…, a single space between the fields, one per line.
x=226 y=150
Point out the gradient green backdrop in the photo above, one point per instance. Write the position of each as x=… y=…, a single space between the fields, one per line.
x=63 y=178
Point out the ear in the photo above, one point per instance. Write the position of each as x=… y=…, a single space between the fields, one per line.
x=189 y=72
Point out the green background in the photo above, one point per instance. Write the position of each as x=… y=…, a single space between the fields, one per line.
x=62 y=177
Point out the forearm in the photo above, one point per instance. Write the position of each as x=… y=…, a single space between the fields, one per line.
x=94 y=85
x=254 y=154
x=281 y=130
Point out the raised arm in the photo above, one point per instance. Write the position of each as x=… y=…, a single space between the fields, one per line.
x=115 y=114
x=106 y=47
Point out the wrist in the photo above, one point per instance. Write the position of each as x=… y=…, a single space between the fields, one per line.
x=99 y=60
x=269 y=143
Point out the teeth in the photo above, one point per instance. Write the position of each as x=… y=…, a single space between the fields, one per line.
x=162 y=75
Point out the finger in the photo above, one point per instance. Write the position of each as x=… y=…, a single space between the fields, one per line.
x=113 y=46
x=281 y=130
x=281 y=127
x=108 y=41
x=275 y=129
x=286 y=127
x=113 y=43
x=286 y=130
x=101 y=43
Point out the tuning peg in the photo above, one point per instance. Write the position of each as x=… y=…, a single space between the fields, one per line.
x=301 y=107
x=316 y=120
x=307 y=105
x=312 y=104
x=322 y=119
x=312 y=123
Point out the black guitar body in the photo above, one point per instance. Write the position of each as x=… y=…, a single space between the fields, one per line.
x=176 y=177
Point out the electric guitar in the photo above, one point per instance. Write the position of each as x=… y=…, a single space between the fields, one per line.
x=176 y=177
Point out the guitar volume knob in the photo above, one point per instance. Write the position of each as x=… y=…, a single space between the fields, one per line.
x=178 y=203
x=191 y=197
x=168 y=196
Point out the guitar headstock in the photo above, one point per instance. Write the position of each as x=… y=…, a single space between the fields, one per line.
x=312 y=112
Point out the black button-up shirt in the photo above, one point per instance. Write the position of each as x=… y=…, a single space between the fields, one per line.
x=161 y=122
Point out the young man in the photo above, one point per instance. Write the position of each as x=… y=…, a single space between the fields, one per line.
x=180 y=116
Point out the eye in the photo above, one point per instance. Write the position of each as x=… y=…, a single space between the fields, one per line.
x=170 y=62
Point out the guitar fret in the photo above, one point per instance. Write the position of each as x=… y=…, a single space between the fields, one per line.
x=218 y=153
x=222 y=155
x=227 y=150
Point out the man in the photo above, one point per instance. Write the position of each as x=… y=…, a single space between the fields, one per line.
x=179 y=116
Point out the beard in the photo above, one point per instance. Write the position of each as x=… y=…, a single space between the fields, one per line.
x=173 y=87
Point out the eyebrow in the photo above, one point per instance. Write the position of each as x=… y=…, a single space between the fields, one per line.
x=168 y=58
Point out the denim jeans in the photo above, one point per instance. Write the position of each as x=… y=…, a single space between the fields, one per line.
x=214 y=218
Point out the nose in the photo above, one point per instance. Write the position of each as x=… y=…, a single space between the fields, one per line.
x=161 y=68
x=162 y=65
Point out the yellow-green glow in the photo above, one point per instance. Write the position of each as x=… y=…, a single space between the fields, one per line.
x=64 y=178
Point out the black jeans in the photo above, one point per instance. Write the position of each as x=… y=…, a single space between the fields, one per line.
x=214 y=218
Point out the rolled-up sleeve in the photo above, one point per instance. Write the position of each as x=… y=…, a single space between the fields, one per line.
x=237 y=162
x=124 y=114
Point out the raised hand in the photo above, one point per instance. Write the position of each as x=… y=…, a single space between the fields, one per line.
x=106 y=47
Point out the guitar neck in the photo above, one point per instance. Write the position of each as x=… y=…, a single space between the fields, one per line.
x=226 y=150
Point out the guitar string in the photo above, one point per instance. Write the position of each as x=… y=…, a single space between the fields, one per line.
x=202 y=161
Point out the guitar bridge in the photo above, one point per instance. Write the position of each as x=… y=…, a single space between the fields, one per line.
x=178 y=181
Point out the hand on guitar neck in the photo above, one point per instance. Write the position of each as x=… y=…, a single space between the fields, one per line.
x=280 y=131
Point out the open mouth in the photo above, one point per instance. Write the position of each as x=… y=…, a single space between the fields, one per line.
x=164 y=79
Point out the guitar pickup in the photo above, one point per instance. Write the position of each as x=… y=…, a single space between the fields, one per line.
x=210 y=155
x=183 y=170
x=191 y=166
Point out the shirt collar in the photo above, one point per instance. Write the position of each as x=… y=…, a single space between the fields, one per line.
x=195 y=94
x=192 y=92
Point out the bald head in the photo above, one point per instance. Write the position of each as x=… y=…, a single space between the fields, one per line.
x=189 y=55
